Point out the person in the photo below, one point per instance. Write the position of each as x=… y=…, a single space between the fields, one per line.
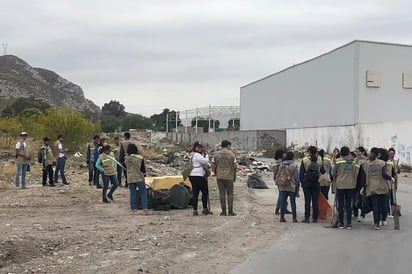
x=325 y=179
x=335 y=155
x=92 y=154
x=345 y=173
x=279 y=155
x=200 y=160
x=122 y=152
x=361 y=157
x=373 y=175
x=394 y=186
x=224 y=167
x=291 y=189
x=136 y=172
x=22 y=160
x=116 y=152
x=60 y=153
x=108 y=168
x=384 y=156
x=309 y=177
x=47 y=162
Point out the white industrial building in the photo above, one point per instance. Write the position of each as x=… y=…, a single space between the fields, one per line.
x=357 y=94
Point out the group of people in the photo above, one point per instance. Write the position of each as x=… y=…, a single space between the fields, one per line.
x=113 y=161
x=355 y=177
x=48 y=156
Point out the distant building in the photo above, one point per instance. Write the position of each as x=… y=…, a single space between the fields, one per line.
x=357 y=94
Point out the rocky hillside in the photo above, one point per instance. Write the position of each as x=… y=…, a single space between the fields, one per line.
x=18 y=79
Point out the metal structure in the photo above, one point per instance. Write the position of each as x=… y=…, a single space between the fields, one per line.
x=213 y=113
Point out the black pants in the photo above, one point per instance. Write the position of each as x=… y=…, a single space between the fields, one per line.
x=199 y=184
x=48 y=170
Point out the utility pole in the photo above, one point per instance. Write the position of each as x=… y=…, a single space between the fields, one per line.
x=5 y=48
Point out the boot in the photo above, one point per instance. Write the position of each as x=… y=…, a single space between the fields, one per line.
x=295 y=220
x=231 y=213
x=277 y=211
x=195 y=213
x=223 y=213
x=282 y=219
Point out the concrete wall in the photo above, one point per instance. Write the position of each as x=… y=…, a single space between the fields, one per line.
x=397 y=135
x=390 y=101
x=246 y=140
x=305 y=95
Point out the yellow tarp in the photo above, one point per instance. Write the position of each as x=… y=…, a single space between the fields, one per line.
x=165 y=182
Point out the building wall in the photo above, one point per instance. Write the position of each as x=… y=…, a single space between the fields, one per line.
x=391 y=134
x=390 y=101
x=306 y=95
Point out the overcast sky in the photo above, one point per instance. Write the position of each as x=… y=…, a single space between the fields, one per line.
x=150 y=55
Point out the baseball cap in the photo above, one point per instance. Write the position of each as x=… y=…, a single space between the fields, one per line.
x=23 y=133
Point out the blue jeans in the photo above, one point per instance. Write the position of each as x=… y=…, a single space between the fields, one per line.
x=60 y=164
x=283 y=196
x=311 y=194
x=106 y=180
x=133 y=193
x=345 y=202
x=379 y=204
x=21 y=171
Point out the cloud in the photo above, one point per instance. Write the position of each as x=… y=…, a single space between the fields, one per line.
x=151 y=55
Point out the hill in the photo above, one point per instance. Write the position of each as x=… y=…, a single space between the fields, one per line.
x=20 y=80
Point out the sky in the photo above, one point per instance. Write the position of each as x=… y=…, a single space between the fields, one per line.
x=187 y=54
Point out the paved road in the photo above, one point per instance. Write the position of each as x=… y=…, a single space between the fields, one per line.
x=312 y=248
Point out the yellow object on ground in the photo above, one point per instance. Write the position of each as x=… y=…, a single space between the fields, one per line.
x=165 y=182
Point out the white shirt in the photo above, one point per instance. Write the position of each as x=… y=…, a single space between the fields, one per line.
x=60 y=147
x=198 y=162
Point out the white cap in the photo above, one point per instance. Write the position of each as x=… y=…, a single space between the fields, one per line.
x=23 y=133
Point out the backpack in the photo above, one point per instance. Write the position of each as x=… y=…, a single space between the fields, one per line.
x=312 y=173
x=283 y=176
x=40 y=155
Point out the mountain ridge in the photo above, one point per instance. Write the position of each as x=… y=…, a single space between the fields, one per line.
x=20 y=80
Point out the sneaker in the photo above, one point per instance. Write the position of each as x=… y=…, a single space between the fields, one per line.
x=349 y=227
x=277 y=211
x=390 y=216
x=295 y=220
x=282 y=220
x=314 y=221
x=195 y=213
x=361 y=219
x=341 y=226
x=223 y=213
x=288 y=212
x=205 y=211
x=306 y=221
x=231 y=213
x=376 y=227
x=384 y=223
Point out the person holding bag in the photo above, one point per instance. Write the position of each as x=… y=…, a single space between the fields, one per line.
x=199 y=160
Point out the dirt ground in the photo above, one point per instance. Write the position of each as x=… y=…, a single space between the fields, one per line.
x=67 y=229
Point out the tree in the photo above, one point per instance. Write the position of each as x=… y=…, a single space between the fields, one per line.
x=135 y=121
x=22 y=104
x=159 y=120
x=10 y=128
x=204 y=123
x=233 y=124
x=113 y=108
x=76 y=129
x=109 y=123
